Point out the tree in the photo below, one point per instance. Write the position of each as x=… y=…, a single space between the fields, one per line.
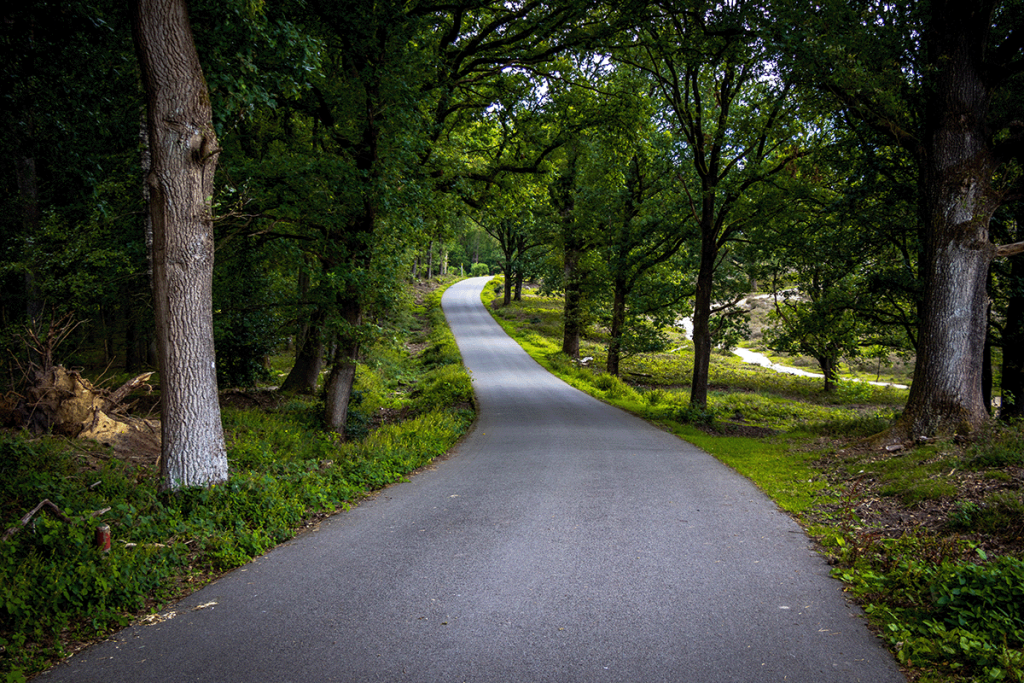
x=509 y=219
x=719 y=93
x=643 y=230
x=840 y=253
x=924 y=75
x=69 y=238
x=184 y=157
x=574 y=242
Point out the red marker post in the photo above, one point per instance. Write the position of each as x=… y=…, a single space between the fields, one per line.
x=103 y=538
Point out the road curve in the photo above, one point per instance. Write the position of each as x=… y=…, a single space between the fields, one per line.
x=565 y=541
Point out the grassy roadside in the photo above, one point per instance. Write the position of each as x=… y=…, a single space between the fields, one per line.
x=929 y=539
x=59 y=592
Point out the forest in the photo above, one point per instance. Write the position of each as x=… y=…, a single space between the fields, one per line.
x=650 y=161
x=200 y=199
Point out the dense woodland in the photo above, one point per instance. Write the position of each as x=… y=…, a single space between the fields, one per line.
x=244 y=177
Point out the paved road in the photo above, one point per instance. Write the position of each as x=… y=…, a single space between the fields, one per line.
x=565 y=541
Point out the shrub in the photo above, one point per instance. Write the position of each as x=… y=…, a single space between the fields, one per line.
x=694 y=415
x=443 y=387
x=479 y=270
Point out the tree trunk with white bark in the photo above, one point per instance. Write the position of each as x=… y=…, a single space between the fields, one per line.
x=184 y=158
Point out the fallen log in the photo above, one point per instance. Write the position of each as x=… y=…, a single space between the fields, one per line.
x=23 y=522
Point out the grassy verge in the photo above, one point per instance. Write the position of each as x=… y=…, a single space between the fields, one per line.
x=59 y=591
x=928 y=539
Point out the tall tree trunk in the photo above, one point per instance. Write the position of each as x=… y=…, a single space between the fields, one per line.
x=184 y=158
x=572 y=310
x=309 y=358
x=702 y=313
x=829 y=367
x=338 y=389
x=956 y=165
x=146 y=162
x=618 y=325
x=509 y=275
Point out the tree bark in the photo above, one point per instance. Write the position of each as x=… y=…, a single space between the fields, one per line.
x=184 y=158
x=618 y=325
x=563 y=197
x=509 y=276
x=828 y=366
x=572 y=309
x=702 y=308
x=956 y=165
x=309 y=358
x=338 y=389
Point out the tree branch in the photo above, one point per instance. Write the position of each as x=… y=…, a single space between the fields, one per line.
x=1004 y=250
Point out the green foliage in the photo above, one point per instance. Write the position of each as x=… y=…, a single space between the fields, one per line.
x=857 y=426
x=245 y=323
x=479 y=269
x=919 y=475
x=441 y=347
x=694 y=415
x=953 y=616
x=444 y=386
x=998 y=446
x=614 y=388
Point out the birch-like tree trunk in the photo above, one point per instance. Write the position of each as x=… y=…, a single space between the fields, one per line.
x=184 y=157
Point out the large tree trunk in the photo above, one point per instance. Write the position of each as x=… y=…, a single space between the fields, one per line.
x=309 y=358
x=184 y=157
x=338 y=389
x=509 y=275
x=829 y=368
x=956 y=165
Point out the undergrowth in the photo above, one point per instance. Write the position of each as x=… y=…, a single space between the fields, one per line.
x=57 y=588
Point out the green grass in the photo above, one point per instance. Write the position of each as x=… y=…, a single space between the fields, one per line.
x=783 y=472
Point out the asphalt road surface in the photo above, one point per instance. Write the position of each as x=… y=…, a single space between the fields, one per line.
x=563 y=541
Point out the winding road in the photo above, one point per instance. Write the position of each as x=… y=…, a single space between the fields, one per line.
x=563 y=541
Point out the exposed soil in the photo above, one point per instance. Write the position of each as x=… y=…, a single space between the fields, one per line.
x=874 y=515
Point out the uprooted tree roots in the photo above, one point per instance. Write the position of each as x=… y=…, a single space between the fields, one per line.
x=60 y=401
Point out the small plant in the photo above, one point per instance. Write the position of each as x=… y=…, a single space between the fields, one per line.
x=694 y=415
x=443 y=387
x=963 y=515
x=655 y=397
